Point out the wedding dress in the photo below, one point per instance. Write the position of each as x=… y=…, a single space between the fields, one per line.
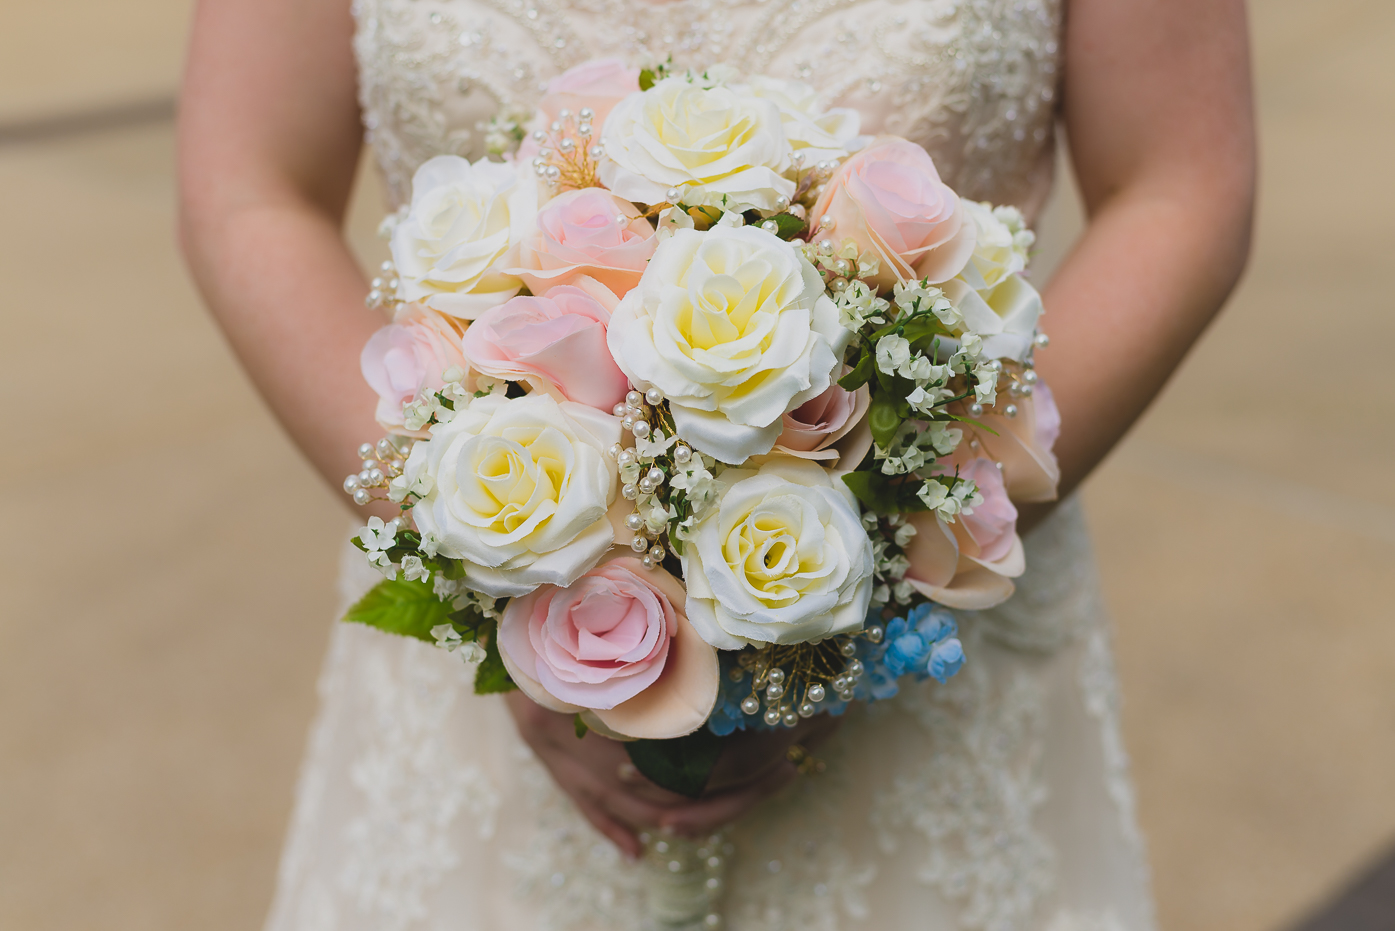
x=998 y=801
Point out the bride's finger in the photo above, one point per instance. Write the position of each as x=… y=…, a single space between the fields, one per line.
x=707 y=814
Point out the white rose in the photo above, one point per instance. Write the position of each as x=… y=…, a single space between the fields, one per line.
x=819 y=133
x=462 y=220
x=518 y=491
x=728 y=145
x=782 y=558
x=734 y=327
x=1004 y=316
x=1002 y=247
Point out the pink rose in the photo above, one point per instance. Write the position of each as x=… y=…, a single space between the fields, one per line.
x=615 y=643
x=599 y=84
x=1023 y=443
x=556 y=342
x=889 y=199
x=587 y=232
x=989 y=534
x=408 y=357
x=813 y=428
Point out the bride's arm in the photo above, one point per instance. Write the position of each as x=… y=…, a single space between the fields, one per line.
x=269 y=138
x=1157 y=108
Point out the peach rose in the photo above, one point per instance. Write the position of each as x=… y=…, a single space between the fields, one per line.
x=587 y=232
x=827 y=426
x=599 y=84
x=889 y=199
x=1023 y=443
x=407 y=357
x=989 y=534
x=615 y=643
x=556 y=342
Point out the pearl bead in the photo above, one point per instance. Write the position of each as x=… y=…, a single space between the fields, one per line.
x=777 y=675
x=376 y=284
x=657 y=552
x=661 y=847
x=654 y=397
x=386 y=268
x=875 y=634
x=615 y=451
x=996 y=365
x=375 y=476
x=841 y=267
x=596 y=152
x=975 y=410
x=365 y=477
x=1010 y=411
x=618 y=410
x=791 y=719
x=855 y=668
x=556 y=127
x=583 y=129
x=634 y=399
x=770 y=226
x=646 y=487
x=362 y=496
x=365 y=451
x=750 y=704
x=564 y=114
x=826 y=246
x=539 y=136
x=567 y=144
x=682 y=454
x=848 y=648
x=552 y=173
x=655 y=476
x=629 y=492
x=1026 y=391
x=647 y=562
x=772 y=716
x=640 y=428
x=627 y=458
x=827 y=222
x=807 y=710
x=639 y=544
x=586 y=113
x=628 y=422
x=774 y=691
x=633 y=520
x=374 y=298
x=712 y=920
x=816 y=693
x=672 y=194
x=351 y=484
x=782 y=203
x=1030 y=376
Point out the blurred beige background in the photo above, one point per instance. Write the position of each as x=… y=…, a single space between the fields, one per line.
x=167 y=566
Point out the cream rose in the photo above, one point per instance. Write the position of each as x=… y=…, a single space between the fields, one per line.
x=734 y=327
x=1005 y=316
x=449 y=248
x=1002 y=247
x=818 y=133
x=717 y=144
x=782 y=558
x=518 y=490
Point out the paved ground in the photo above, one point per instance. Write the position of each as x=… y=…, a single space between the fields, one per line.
x=158 y=643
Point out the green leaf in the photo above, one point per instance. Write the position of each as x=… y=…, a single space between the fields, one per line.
x=410 y=609
x=682 y=765
x=789 y=225
x=860 y=373
x=491 y=678
x=646 y=79
x=580 y=726
x=884 y=420
x=968 y=420
x=882 y=495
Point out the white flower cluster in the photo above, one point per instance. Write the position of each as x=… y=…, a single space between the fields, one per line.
x=889 y=558
x=950 y=501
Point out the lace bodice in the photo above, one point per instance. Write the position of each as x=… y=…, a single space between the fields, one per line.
x=974 y=81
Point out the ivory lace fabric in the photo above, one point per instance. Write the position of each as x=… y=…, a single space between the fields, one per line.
x=999 y=801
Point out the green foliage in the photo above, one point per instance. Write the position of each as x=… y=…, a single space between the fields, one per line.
x=789 y=225
x=682 y=765
x=409 y=609
x=580 y=726
x=861 y=372
x=492 y=678
x=885 y=418
x=885 y=494
x=646 y=79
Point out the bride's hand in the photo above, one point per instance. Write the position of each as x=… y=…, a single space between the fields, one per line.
x=596 y=773
x=754 y=765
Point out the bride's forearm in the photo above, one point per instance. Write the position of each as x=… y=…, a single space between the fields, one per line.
x=281 y=283
x=1153 y=268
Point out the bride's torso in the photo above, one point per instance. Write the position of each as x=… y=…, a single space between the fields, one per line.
x=974 y=81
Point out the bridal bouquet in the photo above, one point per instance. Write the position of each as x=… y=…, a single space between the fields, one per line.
x=703 y=410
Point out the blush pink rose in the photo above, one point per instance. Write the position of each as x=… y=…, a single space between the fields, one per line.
x=889 y=199
x=822 y=427
x=615 y=643
x=599 y=84
x=1023 y=443
x=557 y=342
x=588 y=232
x=408 y=357
x=989 y=533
